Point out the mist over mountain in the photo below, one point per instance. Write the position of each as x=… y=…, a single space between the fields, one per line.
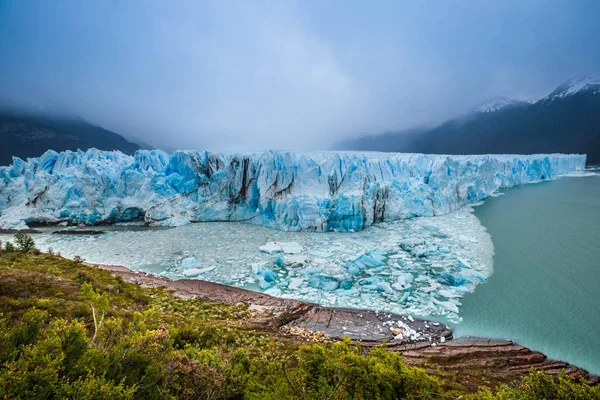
x=565 y=121
x=29 y=134
x=401 y=141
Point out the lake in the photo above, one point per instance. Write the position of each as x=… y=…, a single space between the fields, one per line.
x=545 y=289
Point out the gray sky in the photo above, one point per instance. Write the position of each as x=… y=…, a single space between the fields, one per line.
x=251 y=75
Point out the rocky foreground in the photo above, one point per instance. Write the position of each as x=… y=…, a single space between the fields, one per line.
x=470 y=362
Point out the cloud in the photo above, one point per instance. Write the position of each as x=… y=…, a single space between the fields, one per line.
x=287 y=74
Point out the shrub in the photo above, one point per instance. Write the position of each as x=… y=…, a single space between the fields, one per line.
x=341 y=371
x=9 y=247
x=165 y=348
x=24 y=242
x=540 y=385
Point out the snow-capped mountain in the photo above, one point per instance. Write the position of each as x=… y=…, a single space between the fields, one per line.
x=565 y=121
x=584 y=84
x=497 y=104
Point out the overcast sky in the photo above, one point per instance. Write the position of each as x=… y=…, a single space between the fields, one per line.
x=251 y=75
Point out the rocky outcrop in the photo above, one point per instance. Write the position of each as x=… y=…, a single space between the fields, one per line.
x=368 y=326
x=479 y=361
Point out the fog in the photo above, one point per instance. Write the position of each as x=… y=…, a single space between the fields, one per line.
x=252 y=75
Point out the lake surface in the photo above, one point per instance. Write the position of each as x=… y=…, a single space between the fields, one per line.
x=545 y=289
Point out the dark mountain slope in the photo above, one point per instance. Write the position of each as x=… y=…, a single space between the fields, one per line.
x=565 y=121
x=561 y=125
x=28 y=135
x=400 y=141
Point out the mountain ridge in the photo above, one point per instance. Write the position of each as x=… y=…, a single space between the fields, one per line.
x=567 y=120
x=29 y=134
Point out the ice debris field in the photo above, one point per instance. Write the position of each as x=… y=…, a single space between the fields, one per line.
x=422 y=266
x=346 y=233
x=328 y=191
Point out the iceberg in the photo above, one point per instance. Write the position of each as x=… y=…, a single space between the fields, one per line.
x=320 y=191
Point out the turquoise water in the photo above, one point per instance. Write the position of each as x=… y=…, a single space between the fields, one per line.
x=545 y=289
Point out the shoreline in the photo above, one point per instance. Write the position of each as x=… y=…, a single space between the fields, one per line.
x=423 y=343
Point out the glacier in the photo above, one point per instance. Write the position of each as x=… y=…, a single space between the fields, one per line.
x=319 y=191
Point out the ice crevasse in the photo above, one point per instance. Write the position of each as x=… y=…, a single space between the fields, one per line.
x=320 y=191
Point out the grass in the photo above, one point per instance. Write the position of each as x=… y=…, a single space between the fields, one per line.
x=68 y=330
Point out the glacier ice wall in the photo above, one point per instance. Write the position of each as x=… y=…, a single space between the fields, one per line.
x=326 y=191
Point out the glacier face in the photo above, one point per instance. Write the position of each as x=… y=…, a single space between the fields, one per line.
x=326 y=191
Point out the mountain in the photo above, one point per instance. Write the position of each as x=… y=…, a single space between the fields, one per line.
x=400 y=141
x=25 y=134
x=565 y=121
x=497 y=104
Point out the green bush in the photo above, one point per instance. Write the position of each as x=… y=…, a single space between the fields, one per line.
x=540 y=385
x=9 y=247
x=24 y=242
x=80 y=333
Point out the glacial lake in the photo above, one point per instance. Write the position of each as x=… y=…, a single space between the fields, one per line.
x=545 y=289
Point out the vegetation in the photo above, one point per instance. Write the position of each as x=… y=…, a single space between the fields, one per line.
x=24 y=242
x=68 y=330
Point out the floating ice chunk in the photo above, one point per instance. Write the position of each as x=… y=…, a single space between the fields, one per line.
x=266 y=274
x=270 y=248
x=188 y=263
x=451 y=280
x=404 y=281
x=257 y=268
x=366 y=297
x=369 y=261
x=323 y=282
x=291 y=247
x=264 y=284
x=295 y=283
x=470 y=274
x=309 y=271
x=269 y=275
x=462 y=263
x=450 y=305
x=384 y=287
x=370 y=283
x=279 y=261
x=281 y=247
x=296 y=259
x=346 y=284
x=354 y=267
x=197 y=271
x=191 y=272
x=273 y=292
x=375 y=283
x=448 y=293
